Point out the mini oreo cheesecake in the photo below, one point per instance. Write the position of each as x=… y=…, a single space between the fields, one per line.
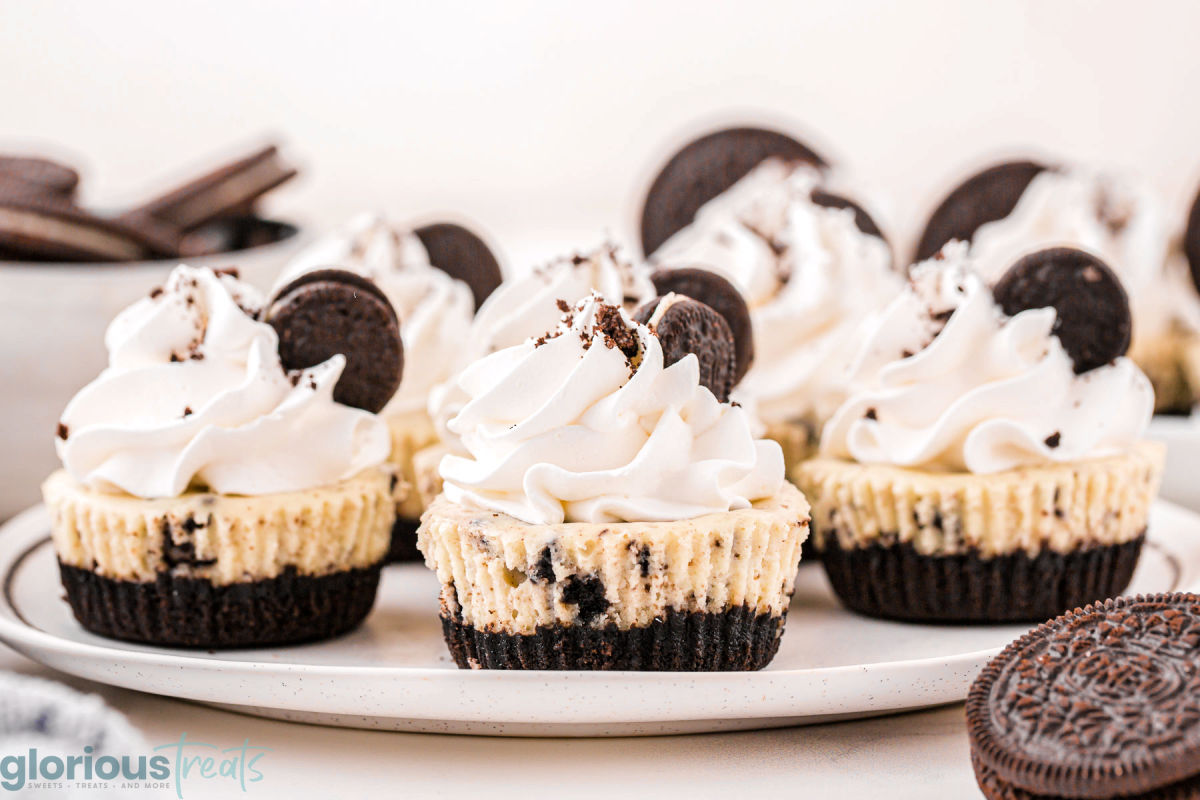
x=988 y=465
x=1015 y=208
x=610 y=510
x=809 y=263
x=434 y=276
x=225 y=479
x=525 y=307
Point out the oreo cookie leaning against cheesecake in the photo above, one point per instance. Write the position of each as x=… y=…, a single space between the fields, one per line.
x=434 y=276
x=611 y=510
x=225 y=479
x=988 y=465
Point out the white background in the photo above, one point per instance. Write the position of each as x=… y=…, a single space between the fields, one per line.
x=542 y=122
x=544 y=119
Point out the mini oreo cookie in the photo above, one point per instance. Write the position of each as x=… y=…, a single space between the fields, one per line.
x=984 y=197
x=330 y=311
x=705 y=168
x=862 y=220
x=1101 y=702
x=461 y=254
x=686 y=326
x=40 y=176
x=1094 y=322
x=721 y=296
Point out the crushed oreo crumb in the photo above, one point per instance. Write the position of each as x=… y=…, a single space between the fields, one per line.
x=156 y=292
x=63 y=431
x=871 y=414
x=1054 y=439
x=187 y=411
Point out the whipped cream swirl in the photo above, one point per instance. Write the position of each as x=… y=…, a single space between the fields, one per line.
x=571 y=428
x=1119 y=221
x=525 y=307
x=945 y=380
x=194 y=396
x=434 y=308
x=808 y=274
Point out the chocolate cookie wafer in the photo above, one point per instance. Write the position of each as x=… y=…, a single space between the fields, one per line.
x=1094 y=322
x=38 y=176
x=721 y=296
x=984 y=197
x=38 y=228
x=705 y=168
x=222 y=192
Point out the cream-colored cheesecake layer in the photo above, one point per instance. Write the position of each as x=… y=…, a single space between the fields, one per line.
x=318 y=531
x=1171 y=360
x=429 y=480
x=798 y=439
x=502 y=575
x=1061 y=507
x=411 y=433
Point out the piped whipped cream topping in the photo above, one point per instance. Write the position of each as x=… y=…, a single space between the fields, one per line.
x=434 y=309
x=526 y=307
x=1120 y=221
x=808 y=274
x=194 y=396
x=586 y=424
x=944 y=380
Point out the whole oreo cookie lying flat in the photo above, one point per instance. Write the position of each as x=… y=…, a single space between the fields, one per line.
x=461 y=254
x=40 y=176
x=721 y=296
x=1101 y=702
x=686 y=326
x=330 y=311
x=1094 y=323
x=704 y=169
x=984 y=197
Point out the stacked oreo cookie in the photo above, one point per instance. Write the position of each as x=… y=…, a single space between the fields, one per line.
x=42 y=220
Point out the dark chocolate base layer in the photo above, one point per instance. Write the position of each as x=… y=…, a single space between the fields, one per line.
x=403 y=547
x=734 y=640
x=192 y=612
x=897 y=582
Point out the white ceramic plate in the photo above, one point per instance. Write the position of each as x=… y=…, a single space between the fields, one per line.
x=1181 y=435
x=394 y=672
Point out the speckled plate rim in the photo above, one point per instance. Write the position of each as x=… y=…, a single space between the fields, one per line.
x=361 y=696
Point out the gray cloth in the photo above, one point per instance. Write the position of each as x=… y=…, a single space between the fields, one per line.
x=59 y=721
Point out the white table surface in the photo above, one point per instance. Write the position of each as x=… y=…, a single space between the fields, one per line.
x=918 y=755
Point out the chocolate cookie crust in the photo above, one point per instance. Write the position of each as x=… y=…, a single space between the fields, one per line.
x=1103 y=701
x=403 y=547
x=705 y=168
x=737 y=639
x=895 y=581
x=193 y=612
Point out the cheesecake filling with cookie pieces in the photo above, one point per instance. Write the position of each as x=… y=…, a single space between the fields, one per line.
x=610 y=510
x=809 y=273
